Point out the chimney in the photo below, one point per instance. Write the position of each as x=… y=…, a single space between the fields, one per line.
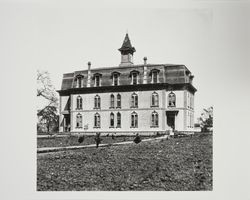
x=145 y=71
x=89 y=74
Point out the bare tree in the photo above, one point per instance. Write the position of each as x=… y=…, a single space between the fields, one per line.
x=48 y=114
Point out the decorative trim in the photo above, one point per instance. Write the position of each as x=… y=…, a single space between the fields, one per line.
x=128 y=88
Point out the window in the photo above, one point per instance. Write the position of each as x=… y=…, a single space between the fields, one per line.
x=97 y=101
x=118 y=120
x=97 y=81
x=97 y=121
x=119 y=101
x=171 y=99
x=79 y=81
x=154 y=118
x=112 y=101
x=78 y=120
x=112 y=119
x=115 y=76
x=79 y=103
x=134 y=120
x=134 y=78
x=134 y=100
x=155 y=100
x=154 y=73
x=154 y=77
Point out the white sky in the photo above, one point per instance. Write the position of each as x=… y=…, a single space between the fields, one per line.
x=63 y=37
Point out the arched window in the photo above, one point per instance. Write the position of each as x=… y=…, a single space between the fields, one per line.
x=79 y=81
x=112 y=120
x=134 y=77
x=79 y=103
x=78 y=120
x=118 y=120
x=155 y=100
x=97 y=79
x=155 y=120
x=134 y=120
x=112 y=101
x=115 y=77
x=97 y=102
x=97 y=121
x=134 y=100
x=154 y=73
x=119 y=101
x=171 y=100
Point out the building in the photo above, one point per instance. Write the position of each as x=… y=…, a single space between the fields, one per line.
x=128 y=98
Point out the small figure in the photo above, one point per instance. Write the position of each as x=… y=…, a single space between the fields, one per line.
x=81 y=139
x=137 y=139
x=113 y=137
x=98 y=139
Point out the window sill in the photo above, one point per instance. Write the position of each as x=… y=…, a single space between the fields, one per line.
x=118 y=127
x=154 y=126
x=171 y=106
x=118 y=107
x=78 y=108
x=133 y=126
x=97 y=108
x=79 y=127
x=111 y=107
x=134 y=107
x=111 y=127
x=154 y=106
x=96 y=127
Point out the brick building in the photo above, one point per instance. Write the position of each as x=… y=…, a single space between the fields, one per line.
x=128 y=98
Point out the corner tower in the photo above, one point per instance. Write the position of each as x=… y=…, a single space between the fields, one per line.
x=127 y=52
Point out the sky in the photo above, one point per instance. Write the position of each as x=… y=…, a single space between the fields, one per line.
x=63 y=37
x=210 y=37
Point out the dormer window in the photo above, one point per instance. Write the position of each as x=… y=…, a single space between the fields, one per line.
x=97 y=80
x=134 y=77
x=154 y=75
x=116 y=78
x=79 y=81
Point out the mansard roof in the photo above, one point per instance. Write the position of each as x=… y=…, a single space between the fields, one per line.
x=169 y=74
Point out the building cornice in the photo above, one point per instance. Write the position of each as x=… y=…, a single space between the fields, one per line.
x=127 y=88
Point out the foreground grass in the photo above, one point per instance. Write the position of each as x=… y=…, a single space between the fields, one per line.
x=175 y=164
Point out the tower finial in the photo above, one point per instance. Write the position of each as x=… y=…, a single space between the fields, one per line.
x=127 y=51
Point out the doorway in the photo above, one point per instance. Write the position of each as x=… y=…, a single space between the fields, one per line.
x=66 y=126
x=171 y=118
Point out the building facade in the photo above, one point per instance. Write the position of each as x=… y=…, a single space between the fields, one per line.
x=128 y=99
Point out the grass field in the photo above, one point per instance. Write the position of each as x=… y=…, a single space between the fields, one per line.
x=178 y=164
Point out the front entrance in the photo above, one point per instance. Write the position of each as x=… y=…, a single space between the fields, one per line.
x=66 y=121
x=171 y=118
